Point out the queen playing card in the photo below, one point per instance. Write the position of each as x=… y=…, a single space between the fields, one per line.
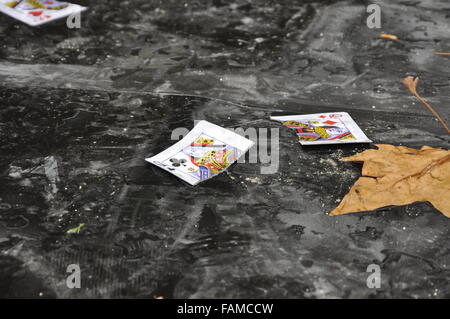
x=206 y=151
x=37 y=12
x=324 y=128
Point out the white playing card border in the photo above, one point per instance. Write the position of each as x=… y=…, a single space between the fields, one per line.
x=203 y=127
x=359 y=135
x=56 y=14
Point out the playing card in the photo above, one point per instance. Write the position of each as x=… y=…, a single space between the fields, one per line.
x=37 y=12
x=206 y=151
x=324 y=128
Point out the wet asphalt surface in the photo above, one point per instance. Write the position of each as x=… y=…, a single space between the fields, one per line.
x=81 y=109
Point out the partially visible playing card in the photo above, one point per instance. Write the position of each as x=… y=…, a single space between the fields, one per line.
x=207 y=150
x=37 y=12
x=324 y=128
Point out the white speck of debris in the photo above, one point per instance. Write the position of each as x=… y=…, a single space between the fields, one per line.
x=328 y=161
x=230 y=175
x=254 y=180
x=247 y=20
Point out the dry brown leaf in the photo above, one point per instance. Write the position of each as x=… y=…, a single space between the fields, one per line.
x=411 y=84
x=399 y=175
x=388 y=36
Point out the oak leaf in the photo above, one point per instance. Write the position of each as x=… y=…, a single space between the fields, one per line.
x=399 y=175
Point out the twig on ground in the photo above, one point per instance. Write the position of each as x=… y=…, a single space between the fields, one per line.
x=411 y=84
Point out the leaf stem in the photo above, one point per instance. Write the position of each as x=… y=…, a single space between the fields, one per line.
x=411 y=83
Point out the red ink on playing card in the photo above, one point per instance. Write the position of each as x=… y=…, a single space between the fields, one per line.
x=35 y=13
